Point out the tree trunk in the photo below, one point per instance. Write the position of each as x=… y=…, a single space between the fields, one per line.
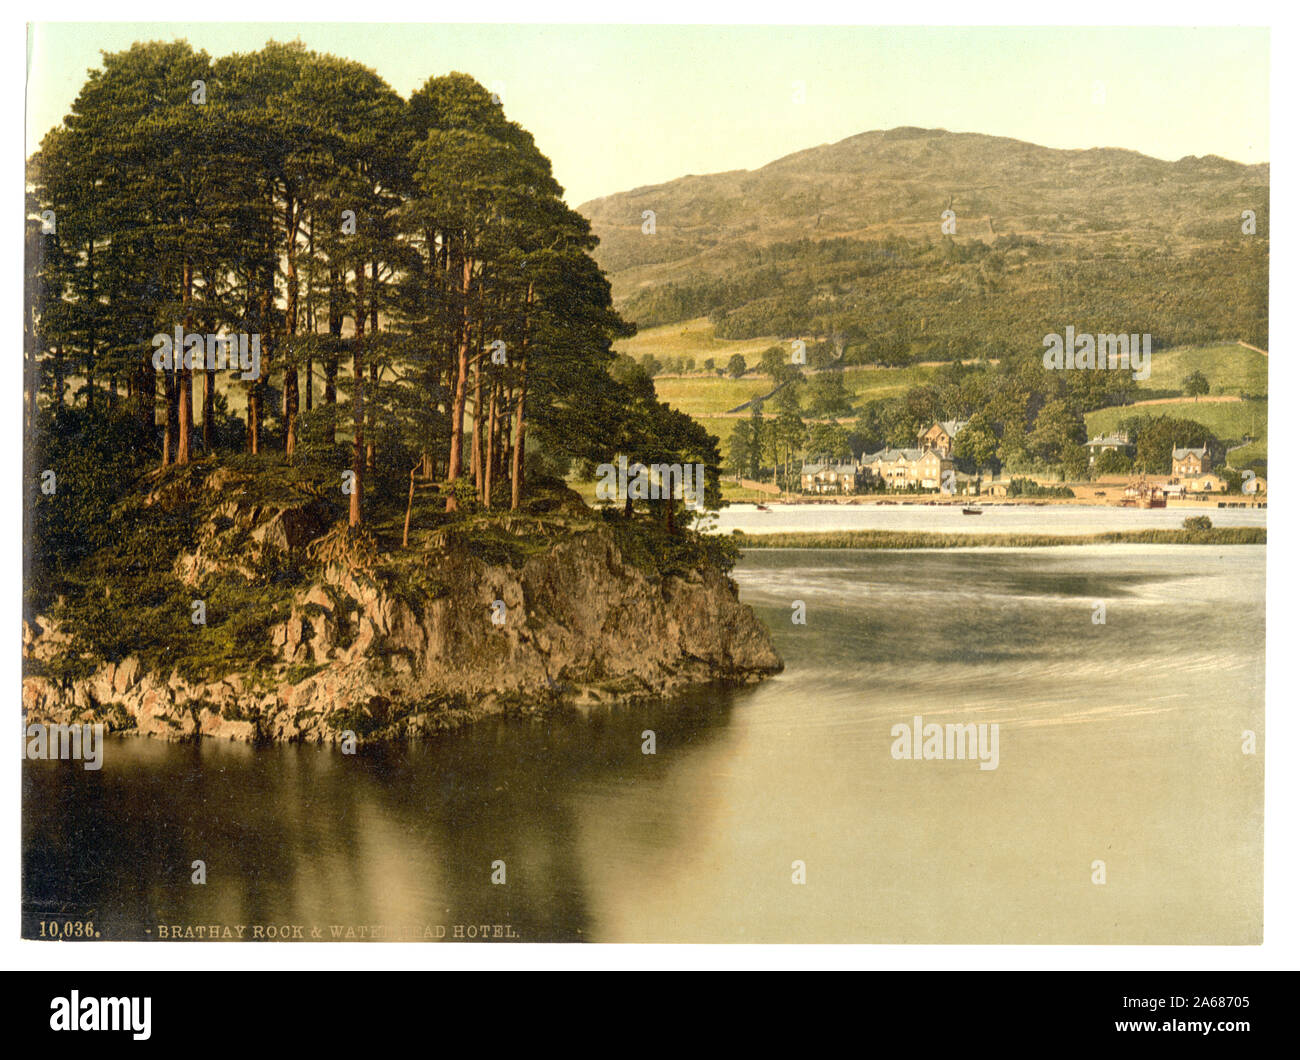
x=255 y=391
x=336 y=336
x=490 y=456
x=311 y=301
x=517 y=457
x=410 y=501
x=90 y=350
x=374 y=365
x=374 y=298
x=455 y=458
x=147 y=391
x=517 y=460
x=358 y=400
x=58 y=376
x=290 y=328
x=170 y=429
x=254 y=432
x=209 y=409
x=479 y=362
x=185 y=421
x=331 y=395
x=476 y=425
x=33 y=389
x=370 y=418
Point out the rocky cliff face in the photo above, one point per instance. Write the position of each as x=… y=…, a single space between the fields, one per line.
x=576 y=624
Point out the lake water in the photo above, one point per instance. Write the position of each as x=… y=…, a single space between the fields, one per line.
x=1119 y=743
x=995 y=519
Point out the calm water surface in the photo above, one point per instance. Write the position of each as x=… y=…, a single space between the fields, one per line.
x=1118 y=743
x=995 y=518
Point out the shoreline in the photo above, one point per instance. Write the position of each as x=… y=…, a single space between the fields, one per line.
x=588 y=616
x=920 y=500
x=921 y=539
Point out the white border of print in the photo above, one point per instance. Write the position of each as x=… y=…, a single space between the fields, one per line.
x=1282 y=881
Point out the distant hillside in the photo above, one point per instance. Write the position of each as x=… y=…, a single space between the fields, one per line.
x=844 y=241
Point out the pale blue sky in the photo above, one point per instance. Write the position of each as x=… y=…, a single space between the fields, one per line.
x=616 y=107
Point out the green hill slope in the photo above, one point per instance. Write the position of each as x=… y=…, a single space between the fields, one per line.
x=844 y=241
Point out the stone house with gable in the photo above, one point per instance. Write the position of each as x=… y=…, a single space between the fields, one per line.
x=1189 y=462
x=940 y=437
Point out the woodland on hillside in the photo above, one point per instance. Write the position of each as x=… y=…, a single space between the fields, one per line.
x=945 y=259
x=896 y=301
x=913 y=244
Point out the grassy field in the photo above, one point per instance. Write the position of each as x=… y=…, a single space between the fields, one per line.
x=694 y=338
x=701 y=395
x=1254 y=455
x=1230 y=369
x=1230 y=421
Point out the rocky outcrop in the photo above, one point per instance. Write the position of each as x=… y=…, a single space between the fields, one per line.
x=239 y=534
x=576 y=623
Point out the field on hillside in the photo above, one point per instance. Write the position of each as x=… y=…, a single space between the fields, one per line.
x=1230 y=369
x=1230 y=421
x=694 y=338
x=701 y=396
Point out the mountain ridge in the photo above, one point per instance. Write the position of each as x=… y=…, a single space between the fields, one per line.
x=886 y=135
x=710 y=251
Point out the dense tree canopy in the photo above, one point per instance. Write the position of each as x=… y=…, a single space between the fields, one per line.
x=415 y=293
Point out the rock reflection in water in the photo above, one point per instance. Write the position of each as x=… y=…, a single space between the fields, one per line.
x=398 y=837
